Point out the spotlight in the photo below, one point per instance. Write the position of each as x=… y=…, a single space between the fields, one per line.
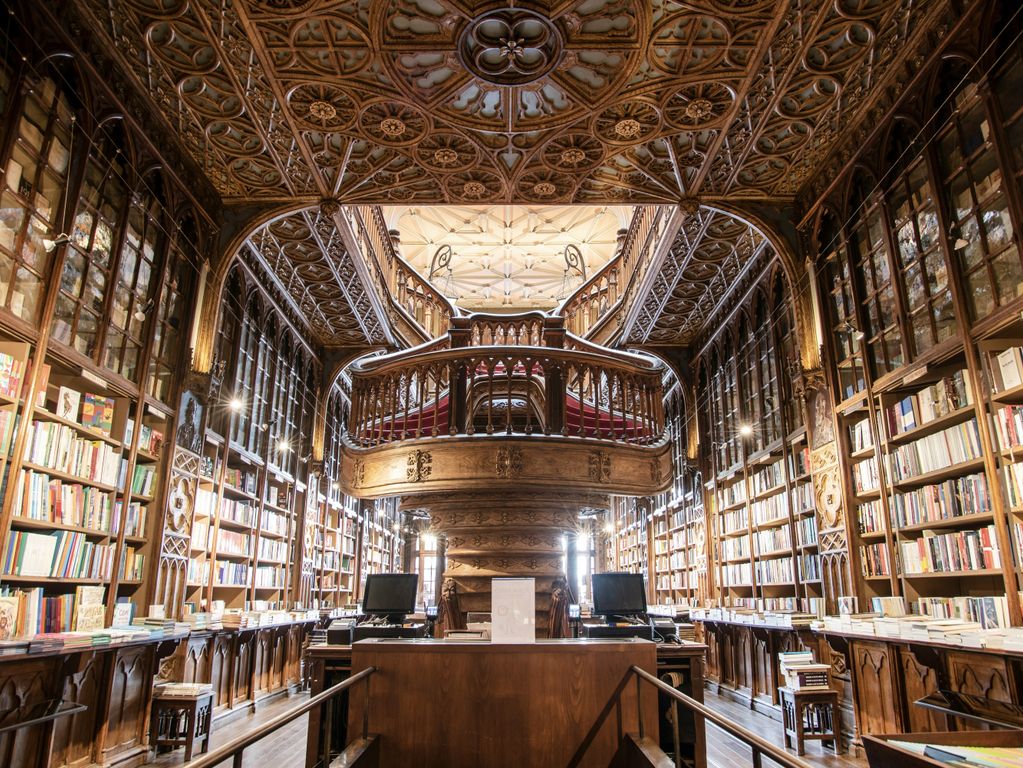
x=852 y=330
x=235 y=404
x=49 y=244
x=746 y=430
x=283 y=445
x=336 y=485
x=140 y=313
x=959 y=244
x=609 y=528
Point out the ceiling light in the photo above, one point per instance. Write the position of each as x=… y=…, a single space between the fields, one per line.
x=336 y=485
x=235 y=404
x=746 y=430
x=283 y=445
x=609 y=528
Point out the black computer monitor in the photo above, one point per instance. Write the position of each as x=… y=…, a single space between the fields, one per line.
x=618 y=594
x=390 y=594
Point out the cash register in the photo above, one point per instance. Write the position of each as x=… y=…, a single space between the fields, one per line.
x=621 y=599
x=387 y=600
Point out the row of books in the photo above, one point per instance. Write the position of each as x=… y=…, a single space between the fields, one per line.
x=874 y=560
x=269 y=576
x=1007 y=369
x=769 y=477
x=740 y=574
x=799 y=462
x=989 y=611
x=773 y=539
x=969 y=550
x=809 y=567
x=733 y=521
x=272 y=549
x=150 y=440
x=134 y=564
x=143 y=479
x=240 y=479
x=241 y=512
x=967 y=495
x=199 y=572
x=1012 y=481
x=860 y=436
x=775 y=571
x=12 y=374
x=771 y=508
x=234 y=543
x=866 y=476
x=60 y=555
x=1009 y=426
x=97 y=411
x=930 y=403
x=58 y=447
x=734 y=548
x=39 y=497
x=870 y=516
x=733 y=494
x=954 y=445
x=230 y=574
x=806 y=530
x=275 y=522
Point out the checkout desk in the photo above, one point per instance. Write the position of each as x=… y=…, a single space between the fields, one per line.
x=476 y=703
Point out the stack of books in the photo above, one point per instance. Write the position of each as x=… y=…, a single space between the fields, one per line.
x=800 y=672
x=183 y=690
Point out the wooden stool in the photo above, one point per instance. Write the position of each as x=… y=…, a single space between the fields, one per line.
x=183 y=720
x=811 y=714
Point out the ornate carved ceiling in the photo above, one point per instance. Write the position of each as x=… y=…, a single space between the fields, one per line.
x=709 y=255
x=507 y=257
x=307 y=257
x=586 y=101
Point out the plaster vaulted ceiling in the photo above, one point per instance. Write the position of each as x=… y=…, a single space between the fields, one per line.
x=595 y=102
x=504 y=257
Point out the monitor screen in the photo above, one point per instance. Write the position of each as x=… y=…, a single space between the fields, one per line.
x=618 y=593
x=390 y=593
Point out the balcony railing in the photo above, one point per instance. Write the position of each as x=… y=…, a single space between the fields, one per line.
x=596 y=299
x=515 y=388
x=416 y=298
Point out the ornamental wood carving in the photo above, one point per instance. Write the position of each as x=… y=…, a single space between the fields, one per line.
x=608 y=101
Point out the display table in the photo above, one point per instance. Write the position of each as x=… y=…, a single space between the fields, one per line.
x=572 y=676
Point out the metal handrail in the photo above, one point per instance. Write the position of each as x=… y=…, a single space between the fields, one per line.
x=236 y=747
x=759 y=745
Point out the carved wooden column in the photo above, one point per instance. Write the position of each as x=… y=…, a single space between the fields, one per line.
x=501 y=535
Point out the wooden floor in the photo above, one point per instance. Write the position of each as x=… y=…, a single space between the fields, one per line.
x=286 y=748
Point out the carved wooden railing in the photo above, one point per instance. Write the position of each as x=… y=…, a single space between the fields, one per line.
x=523 y=390
x=415 y=297
x=530 y=329
x=596 y=300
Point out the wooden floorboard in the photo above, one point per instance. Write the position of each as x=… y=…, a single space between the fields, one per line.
x=286 y=748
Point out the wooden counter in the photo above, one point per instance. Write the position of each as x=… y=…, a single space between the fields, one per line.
x=878 y=678
x=682 y=665
x=115 y=683
x=449 y=704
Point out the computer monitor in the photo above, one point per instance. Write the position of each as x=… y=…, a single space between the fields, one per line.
x=390 y=594
x=618 y=594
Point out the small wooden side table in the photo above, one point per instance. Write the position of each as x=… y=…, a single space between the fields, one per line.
x=183 y=721
x=811 y=714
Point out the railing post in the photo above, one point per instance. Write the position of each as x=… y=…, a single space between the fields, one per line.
x=639 y=704
x=554 y=397
x=237 y=761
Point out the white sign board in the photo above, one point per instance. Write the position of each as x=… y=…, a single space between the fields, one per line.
x=513 y=611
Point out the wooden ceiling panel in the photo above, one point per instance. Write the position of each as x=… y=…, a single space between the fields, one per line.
x=597 y=101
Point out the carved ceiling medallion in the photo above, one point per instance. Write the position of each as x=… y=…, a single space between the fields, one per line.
x=510 y=46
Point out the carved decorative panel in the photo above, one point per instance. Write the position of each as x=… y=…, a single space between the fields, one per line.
x=608 y=101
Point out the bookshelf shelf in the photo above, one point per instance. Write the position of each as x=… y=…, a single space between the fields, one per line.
x=69 y=477
x=981 y=573
x=931 y=478
x=936 y=425
x=92 y=434
x=27 y=523
x=949 y=522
